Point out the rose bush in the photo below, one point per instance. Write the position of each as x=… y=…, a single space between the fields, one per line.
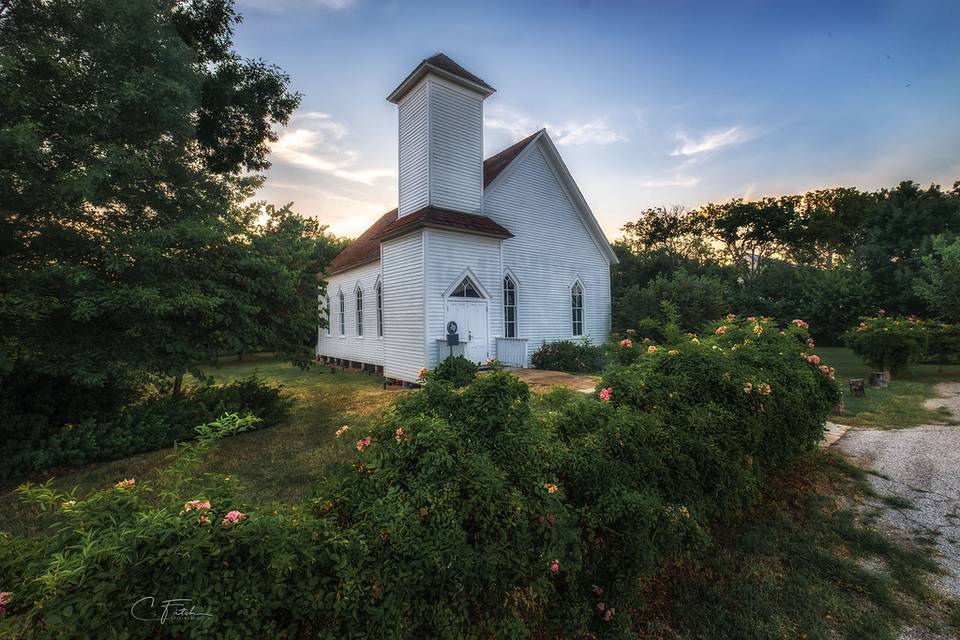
x=889 y=344
x=462 y=512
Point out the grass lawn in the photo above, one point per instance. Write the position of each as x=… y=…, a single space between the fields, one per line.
x=278 y=464
x=900 y=404
x=808 y=562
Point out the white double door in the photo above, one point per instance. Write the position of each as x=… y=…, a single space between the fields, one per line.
x=471 y=319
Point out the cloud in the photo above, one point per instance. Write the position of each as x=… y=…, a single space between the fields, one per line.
x=676 y=181
x=313 y=141
x=571 y=133
x=710 y=141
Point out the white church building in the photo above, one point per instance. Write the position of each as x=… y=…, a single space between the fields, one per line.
x=503 y=250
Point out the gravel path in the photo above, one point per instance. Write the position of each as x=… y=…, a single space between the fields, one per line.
x=922 y=465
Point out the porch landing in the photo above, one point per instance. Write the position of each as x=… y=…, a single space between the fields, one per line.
x=542 y=381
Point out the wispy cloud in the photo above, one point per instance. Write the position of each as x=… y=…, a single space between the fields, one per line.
x=281 y=6
x=571 y=133
x=710 y=141
x=676 y=181
x=314 y=141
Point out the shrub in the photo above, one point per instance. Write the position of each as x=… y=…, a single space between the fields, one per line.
x=464 y=513
x=566 y=355
x=943 y=346
x=889 y=344
x=696 y=298
x=456 y=370
x=154 y=423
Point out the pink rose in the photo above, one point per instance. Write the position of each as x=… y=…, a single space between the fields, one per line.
x=233 y=517
x=651 y=349
x=363 y=443
x=626 y=342
x=605 y=394
x=609 y=614
x=722 y=329
x=554 y=566
x=813 y=359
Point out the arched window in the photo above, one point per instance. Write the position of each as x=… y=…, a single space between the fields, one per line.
x=576 y=307
x=465 y=290
x=509 y=308
x=326 y=312
x=343 y=319
x=359 y=311
x=379 y=309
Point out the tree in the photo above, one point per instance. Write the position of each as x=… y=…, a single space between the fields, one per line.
x=751 y=232
x=829 y=223
x=128 y=131
x=898 y=233
x=939 y=281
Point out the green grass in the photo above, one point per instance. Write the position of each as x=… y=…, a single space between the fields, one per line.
x=899 y=405
x=281 y=464
x=807 y=563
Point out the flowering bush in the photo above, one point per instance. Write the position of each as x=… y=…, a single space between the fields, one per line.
x=464 y=513
x=889 y=344
x=575 y=357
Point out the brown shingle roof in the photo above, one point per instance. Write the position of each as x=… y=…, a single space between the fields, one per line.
x=447 y=219
x=493 y=165
x=443 y=66
x=366 y=248
x=443 y=61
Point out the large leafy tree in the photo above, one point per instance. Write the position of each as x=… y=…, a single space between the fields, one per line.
x=130 y=134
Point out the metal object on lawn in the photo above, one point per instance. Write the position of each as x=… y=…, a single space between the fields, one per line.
x=878 y=379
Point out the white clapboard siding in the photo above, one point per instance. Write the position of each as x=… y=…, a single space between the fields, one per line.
x=456 y=147
x=414 y=176
x=367 y=349
x=551 y=248
x=403 y=307
x=449 y=255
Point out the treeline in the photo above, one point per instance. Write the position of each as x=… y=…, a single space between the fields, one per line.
x=828 y=256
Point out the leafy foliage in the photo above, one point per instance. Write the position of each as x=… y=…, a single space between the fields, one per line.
x=830 y=256
x=465 y=513
x=128 y=133
x=566 y=355
x=456 y=370
x=938 y=282
x=888 y=343
x=154 y=423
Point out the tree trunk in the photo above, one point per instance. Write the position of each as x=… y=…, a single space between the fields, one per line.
x=177 y=384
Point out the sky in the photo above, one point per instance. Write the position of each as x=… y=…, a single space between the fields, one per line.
x=655 y=103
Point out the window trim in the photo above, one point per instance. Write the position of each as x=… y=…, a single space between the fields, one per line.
x=358 y=309
x=510 y=323
x=343 y=314
x=577 y=291
x=379 y=290
x=326 y=312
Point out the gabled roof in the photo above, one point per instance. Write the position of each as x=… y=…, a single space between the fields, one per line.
x=493 y=165
x=446 y=219
x=366 y=248
x=443 y=66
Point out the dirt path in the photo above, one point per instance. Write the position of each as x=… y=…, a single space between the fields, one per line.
x=921 y=467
